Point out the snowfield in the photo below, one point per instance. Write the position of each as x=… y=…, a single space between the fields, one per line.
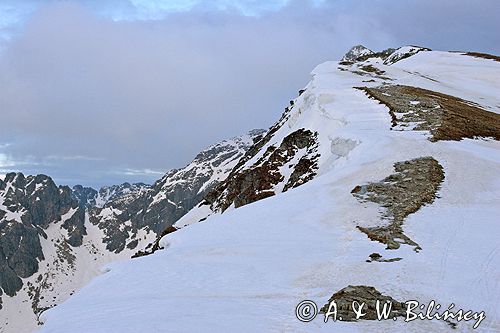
x=246 y=270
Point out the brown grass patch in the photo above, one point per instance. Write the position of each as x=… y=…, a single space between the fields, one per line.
x=483 y=55
x=445 y=117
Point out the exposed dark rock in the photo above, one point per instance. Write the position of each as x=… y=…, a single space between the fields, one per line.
x=304 y=171
x=86 y=196
x=129 y=208
x=133 y=244
x=32 y=204
x=377 y=257
x=403 y=53
x=414 y=184
x=75 y=226
x=382 y=54
x=345 y=297
x=257 y=182
x=355 y=53
x=153 y=247
x=9 y=280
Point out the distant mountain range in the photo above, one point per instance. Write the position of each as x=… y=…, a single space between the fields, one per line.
x=53 y=239
x=379 y=181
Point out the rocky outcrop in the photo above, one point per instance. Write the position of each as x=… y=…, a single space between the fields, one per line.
x=403 y=53
x=86 y=196
x=366 y=295
x=275 y=163
x=414 y=185
x=355 y=53
x=278 y=161
x=28 y=205
x=260 y=179
x=390 y=56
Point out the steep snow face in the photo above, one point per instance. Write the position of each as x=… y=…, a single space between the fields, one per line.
x=53 y=240
x=355 y=52
x=247 y=269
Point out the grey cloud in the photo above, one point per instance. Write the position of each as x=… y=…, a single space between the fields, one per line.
x=148 y=95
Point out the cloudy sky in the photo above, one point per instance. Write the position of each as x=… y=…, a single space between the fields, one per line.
x=100 y=92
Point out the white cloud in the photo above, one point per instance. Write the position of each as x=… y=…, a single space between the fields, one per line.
x=141 y=172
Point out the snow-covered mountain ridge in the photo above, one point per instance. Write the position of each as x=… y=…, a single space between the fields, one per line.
x=54 y=239
x=403 y=156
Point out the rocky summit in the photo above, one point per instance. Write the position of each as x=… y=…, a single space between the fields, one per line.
x=357 y=52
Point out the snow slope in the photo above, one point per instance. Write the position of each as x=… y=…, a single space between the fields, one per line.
x=40 y=265
x=245 y=270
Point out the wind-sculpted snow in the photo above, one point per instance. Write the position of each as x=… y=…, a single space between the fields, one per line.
x=280 y=160
x=247 y=269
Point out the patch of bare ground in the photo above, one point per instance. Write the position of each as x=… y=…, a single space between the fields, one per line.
x=345 y=297
x=445 y=117
x=369 y=70
x=414 y=184
x=483 y=55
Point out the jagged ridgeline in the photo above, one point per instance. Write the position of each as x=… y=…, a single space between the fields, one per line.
x=28 y=205
x=289 y=154
x=282 y=159
x=370 y=131
x=51 y=236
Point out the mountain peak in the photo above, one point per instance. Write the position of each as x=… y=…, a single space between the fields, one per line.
x=355 y=52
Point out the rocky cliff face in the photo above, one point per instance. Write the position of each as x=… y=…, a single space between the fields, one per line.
x=28 y=205
x=156 y=208
x=54 y=238
x=277 y=161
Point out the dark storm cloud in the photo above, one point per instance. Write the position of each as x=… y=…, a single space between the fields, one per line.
x=88 y=99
